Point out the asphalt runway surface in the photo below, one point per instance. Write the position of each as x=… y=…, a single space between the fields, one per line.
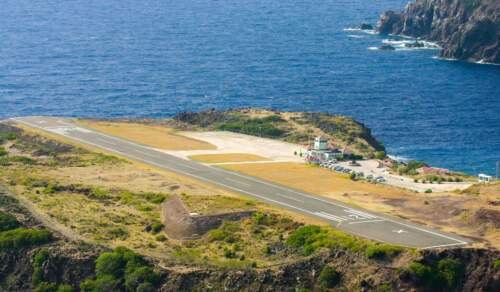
x=350 y=219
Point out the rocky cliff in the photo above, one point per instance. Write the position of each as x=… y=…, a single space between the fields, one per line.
x=466 y=29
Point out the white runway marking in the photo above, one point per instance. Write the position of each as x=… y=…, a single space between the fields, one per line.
x=367 y=221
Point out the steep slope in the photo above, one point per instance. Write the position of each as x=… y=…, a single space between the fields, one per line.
x=466 y=29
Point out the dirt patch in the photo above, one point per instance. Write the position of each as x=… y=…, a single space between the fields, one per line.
x=156 y=136
x=229 y=157
x=180 y=224
x=488 y=216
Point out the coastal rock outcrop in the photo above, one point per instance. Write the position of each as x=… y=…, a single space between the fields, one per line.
x=465 y=29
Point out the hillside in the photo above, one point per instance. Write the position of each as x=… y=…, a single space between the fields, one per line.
x=466 y=29
x=295 y=127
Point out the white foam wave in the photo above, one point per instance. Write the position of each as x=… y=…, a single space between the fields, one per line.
x=399 y=158
x=368 y=31
x=355 y=36
x=405 y=45
x=373 y=48
x=483 y=62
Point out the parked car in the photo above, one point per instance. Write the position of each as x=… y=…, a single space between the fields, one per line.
x=369 y=177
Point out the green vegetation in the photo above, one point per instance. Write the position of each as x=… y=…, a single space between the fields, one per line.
x=446 y=274
x=311 y=237
x=121 y=270
x=7 y=222
x=3 y=152
x=41 y=256
x=410 y=168
x=7 y=136
x=329 y=277
x=496 y=264
x=263 y=127
x=23 y=237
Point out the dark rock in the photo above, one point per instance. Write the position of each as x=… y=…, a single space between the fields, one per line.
x=415 y=44
x=366 y=26
x=387 y=48
x=467 y=30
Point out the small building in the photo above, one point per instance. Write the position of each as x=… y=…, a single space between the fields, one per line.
x=321 y=151
x=484 y=178
x=321 y=143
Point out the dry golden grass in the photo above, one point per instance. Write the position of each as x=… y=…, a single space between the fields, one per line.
x=227 y=157
x=309 y=178
x=155 y=136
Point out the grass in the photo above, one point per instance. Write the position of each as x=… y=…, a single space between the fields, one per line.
x=311 y=179
x=311 y=238
x=155 y=136
x=23 y=237
x=227 y=157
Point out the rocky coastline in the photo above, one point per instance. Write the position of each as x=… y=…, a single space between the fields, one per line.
x=466 y=30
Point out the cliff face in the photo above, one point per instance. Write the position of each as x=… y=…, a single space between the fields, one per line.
x=466 y=29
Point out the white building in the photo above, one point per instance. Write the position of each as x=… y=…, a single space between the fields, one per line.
x=484 y=178
x=321 y=151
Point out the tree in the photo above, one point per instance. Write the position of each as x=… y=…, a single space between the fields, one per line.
x=329 y=277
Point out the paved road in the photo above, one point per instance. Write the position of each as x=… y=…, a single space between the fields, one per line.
x=344 y=217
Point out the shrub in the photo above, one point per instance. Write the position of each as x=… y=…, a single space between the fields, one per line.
x=380 y=155
x=496 y=264
x=382 y=251
x=140 y=276
x=64 y=288
x=157 y=227
x=384 y=288
x=3 y=152
x=41 y=256
x=447 y=274
x=428 y=191
x=23 y=237
x=300 y=236
x=329 y=277
x=451 y=271
x=46 y=287
x=121 y=269
x=110 y=264
x=7 y=222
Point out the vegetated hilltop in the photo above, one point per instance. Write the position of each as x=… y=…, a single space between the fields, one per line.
x=294 y=127
x=67 y=209
x=466 y=29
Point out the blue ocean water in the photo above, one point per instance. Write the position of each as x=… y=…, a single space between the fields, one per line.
x=117 y=58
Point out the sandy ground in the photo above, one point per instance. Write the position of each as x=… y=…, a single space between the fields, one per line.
x=228 y=142
x=227 y=158
x=371 y=167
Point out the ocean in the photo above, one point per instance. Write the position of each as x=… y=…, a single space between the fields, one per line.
x=154 y=58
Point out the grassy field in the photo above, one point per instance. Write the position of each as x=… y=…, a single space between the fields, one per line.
x=227 y=157
x=155 y=136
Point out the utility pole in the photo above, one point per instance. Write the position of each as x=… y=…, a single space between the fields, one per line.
x=498 y=166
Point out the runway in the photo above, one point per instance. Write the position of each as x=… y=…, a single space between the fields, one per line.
x=352 y=220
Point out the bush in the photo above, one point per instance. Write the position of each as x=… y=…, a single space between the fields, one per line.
x=157 y=227
x=110 y=264
x=7 y=222
x=428 y=191
x=451 y=271
x=41 y=256
x=301 y=235
x=447 y=274
x=64 y=288
x=121 y=270
x=3 y=152
x=382 y=251
x=380 y=155
x=46 y=287
x=23 y=237
x=329 y=277
x=496 y=264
